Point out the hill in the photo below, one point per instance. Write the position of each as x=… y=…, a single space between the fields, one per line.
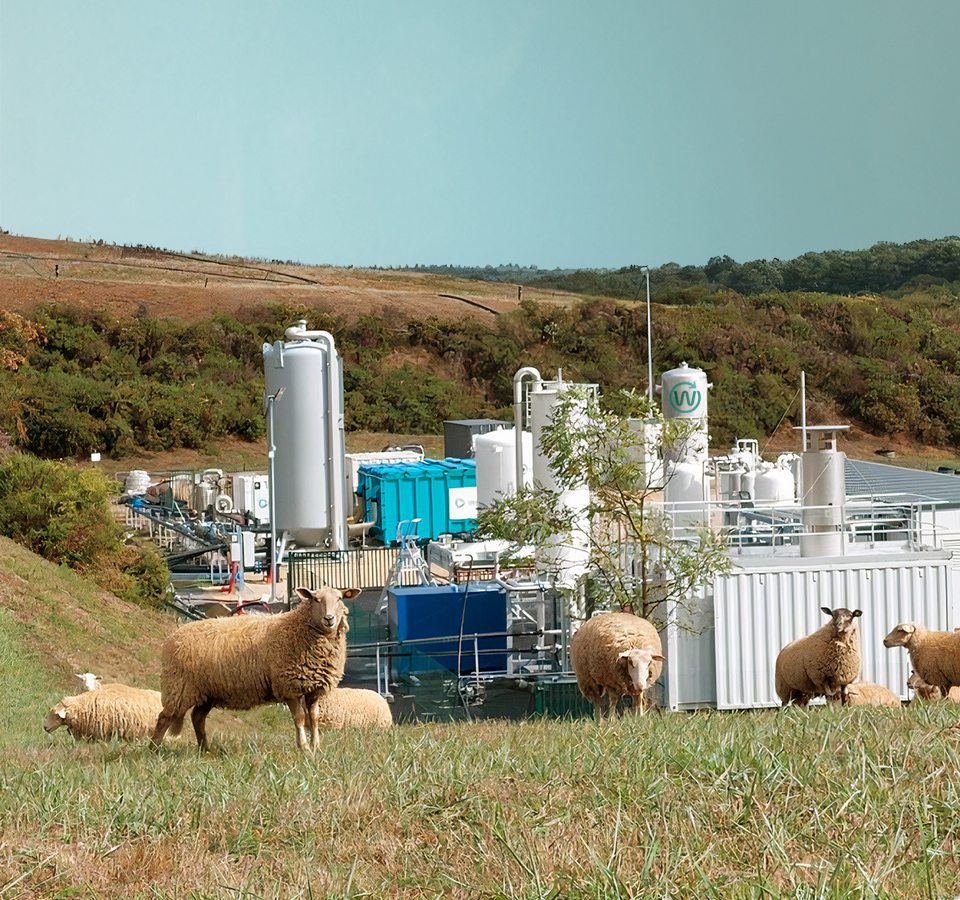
x=162 y=283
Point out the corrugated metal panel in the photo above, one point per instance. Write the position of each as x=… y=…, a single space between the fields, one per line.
x=759 y=610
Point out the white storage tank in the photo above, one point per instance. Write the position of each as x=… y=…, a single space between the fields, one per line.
x=774 y=484
x=683 y=395
x=308 y=466
x=496 y=456
x=567 y=555
x=136 y=482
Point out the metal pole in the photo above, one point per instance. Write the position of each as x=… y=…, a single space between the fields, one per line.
x=646 y=269
x=271 y=454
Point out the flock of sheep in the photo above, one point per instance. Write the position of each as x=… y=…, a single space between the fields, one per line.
x=617 y=654
x=297 y=658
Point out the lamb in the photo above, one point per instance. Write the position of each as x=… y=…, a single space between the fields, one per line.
x=935 y=655
x=822 y=663
x=353 y=708
x=111 y=710
x=928 y=692
x=240 y=662
x=88 y=681
x=866 y=693
x=615 y=654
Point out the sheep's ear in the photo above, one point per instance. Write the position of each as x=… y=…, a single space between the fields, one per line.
x=827 y=610
x=909 y=628
x=857 y=612
x=350 y=593
x=304 y=593
x=657 y=656
x=61 y=714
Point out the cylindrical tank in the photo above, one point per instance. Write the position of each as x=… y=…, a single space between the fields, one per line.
x=774 y=484
x=683 y=395
x=566 y=555
x=496 y=457
x=307 y=432
x=685 y=492
x=136 y=482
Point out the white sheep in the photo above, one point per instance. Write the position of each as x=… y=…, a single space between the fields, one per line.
x=353 y=708
x=244 y=661
x=111 y=710
x=935 y=655
x=615 y=654
x=88 y=681
x=822 y=663
x=866 y=693
x=928 y=692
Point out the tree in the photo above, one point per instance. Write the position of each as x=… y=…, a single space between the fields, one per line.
x=635 y=556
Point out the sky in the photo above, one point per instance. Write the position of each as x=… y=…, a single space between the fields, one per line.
x=550 y=133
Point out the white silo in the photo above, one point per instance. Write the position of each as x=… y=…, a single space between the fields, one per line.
x=307 y=432
x=568 y=554
x=823 y=486
x=496 y=457
x=683 y=396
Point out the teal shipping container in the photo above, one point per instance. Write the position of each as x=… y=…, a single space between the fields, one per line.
x=441 y=493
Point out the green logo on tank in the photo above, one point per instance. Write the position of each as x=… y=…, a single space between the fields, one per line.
x=684 y=397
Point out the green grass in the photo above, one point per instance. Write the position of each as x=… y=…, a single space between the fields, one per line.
x=820 y=803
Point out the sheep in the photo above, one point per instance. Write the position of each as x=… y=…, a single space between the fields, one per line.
x=353 y=708
x=866 y=693
x=614 y=654
x=88 y=681
x=240 y=662
x=110 y=710
x=821 y=663
x=928 y=692
x=935 y=655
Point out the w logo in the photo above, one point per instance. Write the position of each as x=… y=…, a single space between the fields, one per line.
x=684 y=397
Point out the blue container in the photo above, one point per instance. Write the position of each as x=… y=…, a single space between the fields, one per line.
x=422 y=612
x=398 y=492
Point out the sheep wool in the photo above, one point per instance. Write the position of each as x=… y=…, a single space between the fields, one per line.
x=823 y=663
x=928 y=692
x=866 y=693
x=615 y=654
x=111 y=710
x=353 y=708
x=241 y=662
x=935 y=655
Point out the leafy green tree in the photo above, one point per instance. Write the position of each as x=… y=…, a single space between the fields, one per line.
x=635 y=557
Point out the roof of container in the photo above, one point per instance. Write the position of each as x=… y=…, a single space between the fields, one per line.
x=864 y=477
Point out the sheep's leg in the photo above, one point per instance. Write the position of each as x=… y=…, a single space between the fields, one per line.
x=298 y=710
x=199 y=719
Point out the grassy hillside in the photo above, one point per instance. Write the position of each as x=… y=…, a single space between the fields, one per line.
x=825 y=803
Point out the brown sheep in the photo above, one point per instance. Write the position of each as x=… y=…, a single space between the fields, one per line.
x=928 y=692
x=240 y=662
x=866 y=693
x=935 y=655
x=353 y=708
x=615 y=654
x=111 y=710
x=822 y=663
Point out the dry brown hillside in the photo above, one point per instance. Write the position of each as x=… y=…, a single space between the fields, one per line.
x=166 y=284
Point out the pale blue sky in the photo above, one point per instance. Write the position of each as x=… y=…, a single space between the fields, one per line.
x=548 y=133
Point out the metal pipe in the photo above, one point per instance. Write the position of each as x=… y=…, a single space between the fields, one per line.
x=646 y=269
x=519 y=420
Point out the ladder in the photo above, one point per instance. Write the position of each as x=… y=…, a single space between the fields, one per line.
x=409 y=562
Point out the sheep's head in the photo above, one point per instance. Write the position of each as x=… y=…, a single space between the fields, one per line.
x=88 y=681
x=900 y=636
x=55 y=718
x=916 y=683
x=328 y=613
x=843 y=619
x=636 y=664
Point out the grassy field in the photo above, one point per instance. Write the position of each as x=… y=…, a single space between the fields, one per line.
x=825 y=803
